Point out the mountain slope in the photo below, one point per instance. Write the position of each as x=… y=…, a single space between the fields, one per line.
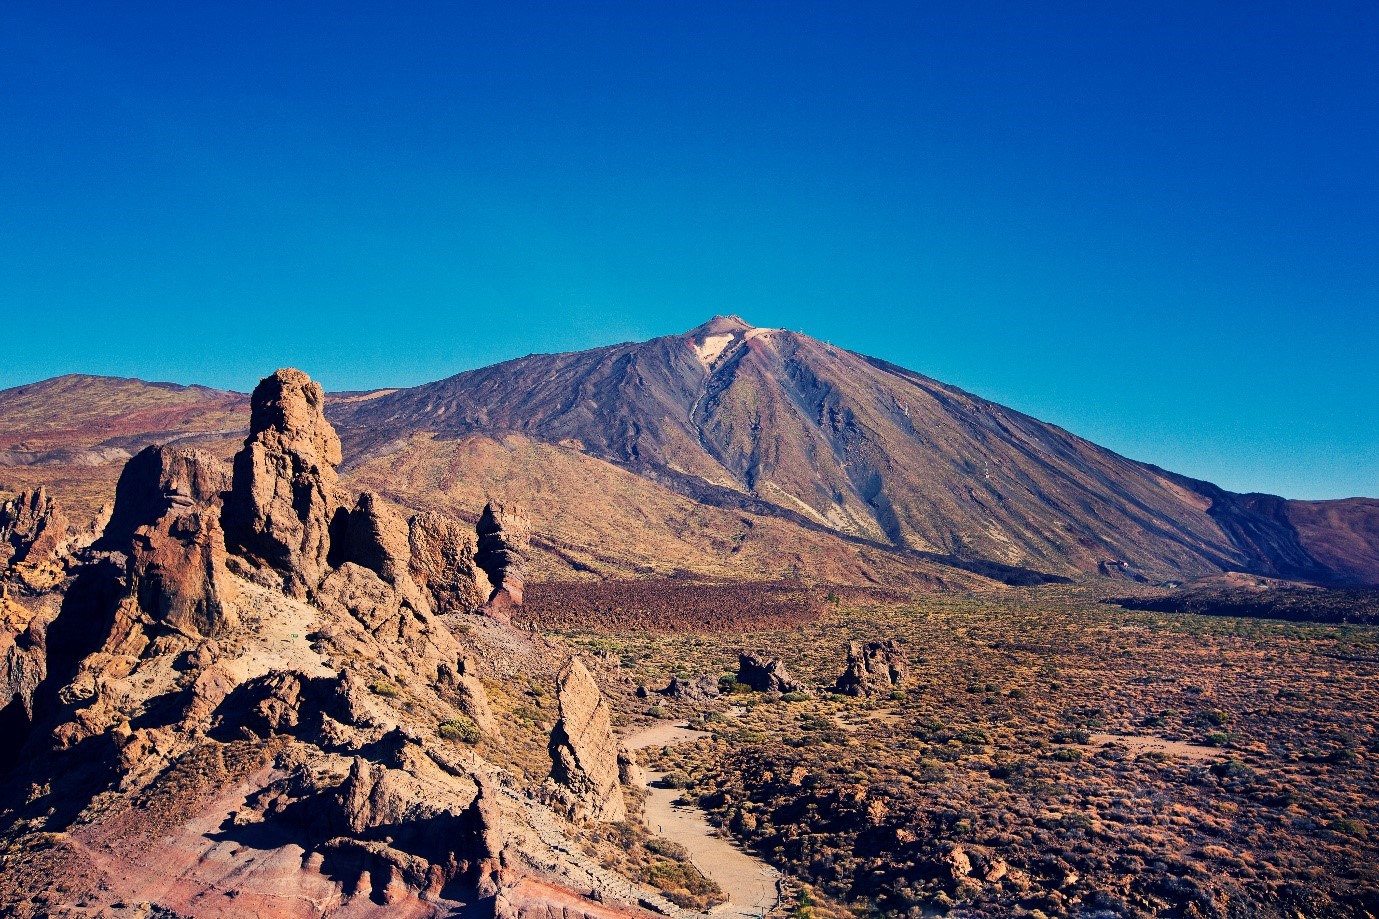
x=733 y=450
x=777 y=422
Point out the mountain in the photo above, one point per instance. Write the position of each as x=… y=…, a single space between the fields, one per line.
x=736 y=451
x=775 y=423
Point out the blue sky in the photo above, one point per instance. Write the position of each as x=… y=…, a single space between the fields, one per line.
x=1154 y=224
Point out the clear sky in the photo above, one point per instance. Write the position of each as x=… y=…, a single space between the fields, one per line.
x=1156 y=224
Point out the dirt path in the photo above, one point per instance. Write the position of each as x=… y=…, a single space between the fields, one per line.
x=749 y=882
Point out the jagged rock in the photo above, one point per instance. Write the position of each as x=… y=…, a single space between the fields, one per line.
x=765 y=676
x=166 y=522
x=871 y=667
x=375 y=535
x=159 y=480
x=33 y=532
x=442 y=562
x=584 y=752
x=503 y=532
x=23 y=658
x=178 y=576
x=696 y=689
x=284 y=494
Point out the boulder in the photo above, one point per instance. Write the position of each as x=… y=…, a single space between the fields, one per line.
x=693 y=689
x=503 y=532
x=284 y=495
x=177 y=573
x=463 y=688
x=765 y=676
x=375 y=535
x=584 y=752
x=871 y=667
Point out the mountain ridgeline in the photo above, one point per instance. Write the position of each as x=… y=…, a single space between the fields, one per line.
x=734 y=451
x=774 y=422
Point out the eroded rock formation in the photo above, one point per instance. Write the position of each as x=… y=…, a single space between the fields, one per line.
x=504 y=532
x=289 y=670
x=584 y=752
x=443 y=563
x=876 y=666
x=33 y=532
x=285 y=492
x=765 y=675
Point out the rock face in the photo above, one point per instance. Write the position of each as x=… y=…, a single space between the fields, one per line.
x=167 y=520
x=159 y=480
x=178 y=574
x=872 y=667
x=504 y=532
x=442 y=563
x=285 y=492
x=584 y=752
x=765 y=676
x=32 y=529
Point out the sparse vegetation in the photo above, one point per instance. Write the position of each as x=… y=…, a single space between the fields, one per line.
x=1245 y=790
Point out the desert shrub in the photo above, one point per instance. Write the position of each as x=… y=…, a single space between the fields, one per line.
x=675 y=779
x=460 y=728
x=383 y=688
x=1066 y=755
x=667 y=848
x=1349 y=827
x=795 y=697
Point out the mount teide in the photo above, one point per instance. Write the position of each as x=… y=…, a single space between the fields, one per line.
x=774 y=422
x=737 y=452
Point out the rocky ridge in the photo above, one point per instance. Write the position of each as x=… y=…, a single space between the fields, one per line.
x=243 y=640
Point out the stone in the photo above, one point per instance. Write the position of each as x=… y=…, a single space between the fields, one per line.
x=375 y=536
x=33 y=534
x=693 y=689
x=876 y=666
x=765 y=676
x=442 y=563
x=177 y=574
x=468 y=693
x=159 y=480
x=584 y=751
x=285 y=494
x=504 y=533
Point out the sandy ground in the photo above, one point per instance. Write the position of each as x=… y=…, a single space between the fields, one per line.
x=749 y=882
x=1138 y=745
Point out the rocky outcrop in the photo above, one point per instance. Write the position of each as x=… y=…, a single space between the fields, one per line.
x=504 y=532
x=876 y=666
x=238 y=642
x=692 y=689
x=463 y=688
x=167 y=521
x=159 y=480
x=285 y=494
x=584 y=752
x=765 y=676
x=442 y=562
x=178 y=574
x=33 y=532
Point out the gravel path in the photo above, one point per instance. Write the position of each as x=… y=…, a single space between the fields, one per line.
x=749 y=882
